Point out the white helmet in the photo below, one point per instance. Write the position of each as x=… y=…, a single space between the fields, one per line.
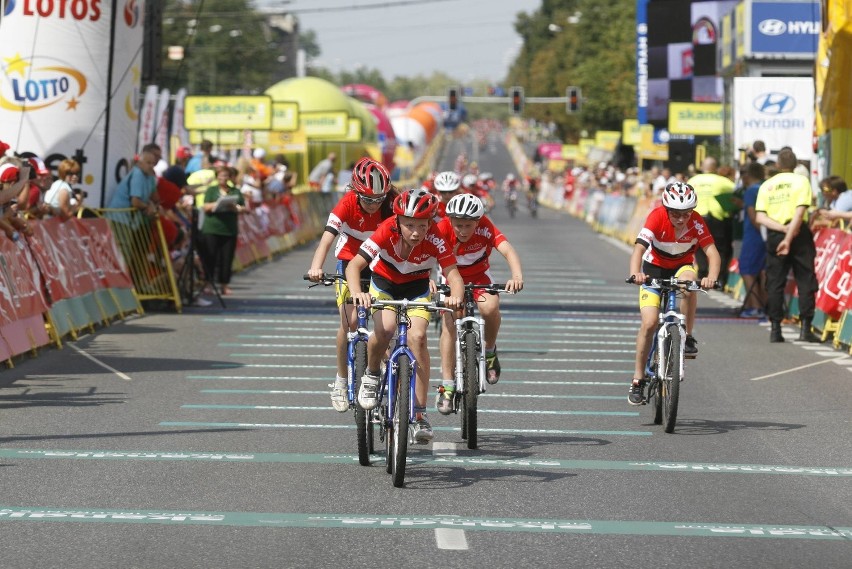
x=679 y=195
x=465 y=206
x=485 y=176
x=447 y=181
x=469 y=180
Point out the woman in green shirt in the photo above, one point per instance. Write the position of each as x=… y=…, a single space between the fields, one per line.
x=223 y=202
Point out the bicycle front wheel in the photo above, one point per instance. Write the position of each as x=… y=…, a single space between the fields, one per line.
x=470 y=361
x=399 y=428
x=363 y=418
x=671 y=376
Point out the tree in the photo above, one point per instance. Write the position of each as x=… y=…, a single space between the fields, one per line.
x=226 y=47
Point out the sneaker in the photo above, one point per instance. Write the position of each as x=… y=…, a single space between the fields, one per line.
x=751 y=313
x=201 y=301
x=444 y=401
x=367 y=393
x=422 y=430
x=492 y=368
x=339 y=397
x=690 y=347
x=635 y=395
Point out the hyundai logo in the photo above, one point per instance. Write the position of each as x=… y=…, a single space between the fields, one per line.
x=774 y=103
x=772 y=27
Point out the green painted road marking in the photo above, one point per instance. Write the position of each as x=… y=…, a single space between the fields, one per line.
x=319 y=379
x=360 y=521
x=480 y=430
x=489 y=395
x=505 y=369
x=503 y=358
x=326 y=408
x=428 y=458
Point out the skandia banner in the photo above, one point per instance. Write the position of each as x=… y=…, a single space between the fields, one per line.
x=59 y=95
x=776 y=110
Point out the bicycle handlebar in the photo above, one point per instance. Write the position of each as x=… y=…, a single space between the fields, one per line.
x=328 y=279
x=491 y=288
x=673 y=283
x=432 y=306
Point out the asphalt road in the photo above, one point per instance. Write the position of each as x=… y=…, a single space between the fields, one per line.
x=207 y=439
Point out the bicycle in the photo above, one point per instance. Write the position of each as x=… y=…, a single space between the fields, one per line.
x=470 y=369
x=512 y=202
x=664 y=367
x=356 y=366
x=394 y=411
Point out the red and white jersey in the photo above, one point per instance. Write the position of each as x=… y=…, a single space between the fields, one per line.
x=382 y=251
x=664 y=248
x=351 y=224
x=472 y=256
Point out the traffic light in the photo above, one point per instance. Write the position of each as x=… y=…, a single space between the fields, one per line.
x=453 y=99
x=516 y=99
x=573 y=95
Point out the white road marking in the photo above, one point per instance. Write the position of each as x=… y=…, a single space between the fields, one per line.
x=123 y=376
x=451 y=538
x=782 y=372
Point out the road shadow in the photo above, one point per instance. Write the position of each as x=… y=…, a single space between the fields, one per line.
x=431 y=477
x=98 y=436
x=89 y=398
x=711 y=427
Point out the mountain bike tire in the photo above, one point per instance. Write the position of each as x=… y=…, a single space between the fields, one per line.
x=402 y=407
x=470 y=361
x=670 y=380
x=363 y=418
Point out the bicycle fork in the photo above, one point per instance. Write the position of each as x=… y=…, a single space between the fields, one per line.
x=662 y=336
x=477 y=325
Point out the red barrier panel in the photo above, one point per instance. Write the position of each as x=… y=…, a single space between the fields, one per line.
x=22 y=303
x=834 y=271
x=101 y=243
x=67 y=267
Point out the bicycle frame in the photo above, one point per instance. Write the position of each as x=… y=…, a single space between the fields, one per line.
x=668 y=315
x=361 y=334
x=391 y=371
x=469 y=322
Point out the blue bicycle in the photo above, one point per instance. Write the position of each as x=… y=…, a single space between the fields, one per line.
x=356 y=366
x=664 y=366
x=394 y=411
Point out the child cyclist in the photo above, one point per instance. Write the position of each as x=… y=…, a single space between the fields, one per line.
x=402 y=253
x=665 y=248
x=352 y=220
x=473 y=237
x=446 y=185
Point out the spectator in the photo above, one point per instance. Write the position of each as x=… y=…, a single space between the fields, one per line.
x=258 y=164
x=250 y=182
x=10 y=186
x=59 y=196
x=836 y=202
x=758 y=152
x=782 y=207
x=753 y=251
x=662 y=180
x=319 y=172
x=715 y=205
x=31 y=202
x=222 y=203
x=202 y=160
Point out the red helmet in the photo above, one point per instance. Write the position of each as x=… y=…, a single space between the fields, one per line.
x=418 y=204
x=370 y=178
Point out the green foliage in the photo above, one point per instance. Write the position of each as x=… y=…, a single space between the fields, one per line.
x=586 y=43
x=226 y=47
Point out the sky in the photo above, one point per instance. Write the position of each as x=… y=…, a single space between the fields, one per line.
x=466 y=39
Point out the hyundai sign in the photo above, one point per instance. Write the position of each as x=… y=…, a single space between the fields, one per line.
x=784 y=28
x=776 y=110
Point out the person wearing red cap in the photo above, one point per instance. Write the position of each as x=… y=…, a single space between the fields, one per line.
x=3 y=148
x=31 y=200
x=10 y=187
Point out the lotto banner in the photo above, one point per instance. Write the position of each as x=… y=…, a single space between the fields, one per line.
x=833 y=266
x=58 y=96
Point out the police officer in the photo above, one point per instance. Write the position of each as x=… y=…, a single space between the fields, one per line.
x=782 y=207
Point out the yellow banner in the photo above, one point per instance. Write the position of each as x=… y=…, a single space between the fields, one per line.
x=354 y=134
x=630 y=132
x=228 y=113
x=570 y=151
x=285 y=116
x=647 y=149
x=585 y=145
x=290 y=142
x=325 y=125
x=607 y=139
x=228 y=138
x=696 y=118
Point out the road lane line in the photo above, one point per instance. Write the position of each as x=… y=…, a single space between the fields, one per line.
x=791 y=370
x=450 y=539
x=82 y=352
